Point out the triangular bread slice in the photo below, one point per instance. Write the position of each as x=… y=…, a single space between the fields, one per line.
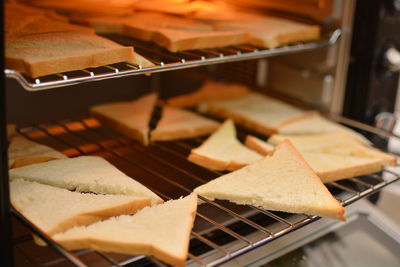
x=23 y=152
x=329 y=167
x=162 y=231
x=223 y=151
x=84 y=174
x=55 y=210
x=130 y=118
x=339 y=142
x=177 y=123
x=256 y=112
x=209 y=91
x=314 y=123
x=281 y=182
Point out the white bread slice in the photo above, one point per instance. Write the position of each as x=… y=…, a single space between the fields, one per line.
x=130 y=118
x=256 y=112
x=332 y=167
x=209 y=91
x=49 y=53
x=55 y=210
x=23 y=152
x=339 y=142
x=162 y=231
x=329 y=167
x=314 y=123
x=10 y=130
x=272 y=32
x=258 y=145
x=223 y=151
x=281 y=182
x=84 y=174
x=171 y=32
x=177 y=123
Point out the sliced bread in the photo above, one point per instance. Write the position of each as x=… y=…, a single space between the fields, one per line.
x=314 y=123
x=23 y=152
x=223 y=151
x=272 y=32
x=162 y=231
x=328 y=166
x=339 y=142
x=209 y=91
x=281 y=182
x=256 y=112
x=55 y=210
x=84 y=174
x=49 y=53
x=177 y=123
x=171 y=32
x=130 y=118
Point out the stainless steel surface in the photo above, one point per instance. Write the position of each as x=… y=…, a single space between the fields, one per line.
x=244 y=227
x=180 y=60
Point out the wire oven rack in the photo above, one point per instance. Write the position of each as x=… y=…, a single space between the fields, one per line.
x=222 y=230
x=165 y=61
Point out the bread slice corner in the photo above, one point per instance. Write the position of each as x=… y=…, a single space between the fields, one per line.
x=223 y=151
x=176 y=123
x=22 y=152
x=130 y=118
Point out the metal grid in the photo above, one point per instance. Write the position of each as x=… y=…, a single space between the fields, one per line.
x=165 y=61
x=222 y=230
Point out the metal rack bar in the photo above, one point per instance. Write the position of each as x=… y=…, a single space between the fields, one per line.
x=242 y=53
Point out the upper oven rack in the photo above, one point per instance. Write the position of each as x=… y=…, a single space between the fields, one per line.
x=246 y=229
x=165 y=61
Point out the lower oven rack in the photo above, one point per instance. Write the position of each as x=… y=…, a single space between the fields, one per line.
x=166 y=61
x=222 y=230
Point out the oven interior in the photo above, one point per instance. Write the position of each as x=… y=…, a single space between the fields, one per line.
x=309 y=75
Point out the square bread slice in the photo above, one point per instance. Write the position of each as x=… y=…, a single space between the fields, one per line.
x=55 y=210
x=281 y=182
x=162 y=231
x=177 y=123
x=130 y=118
x=256 y=112
x=339 y=142
x=86 y=174
x=329 y=167
x=23 y=152
x=272 y=32
x=49 y=53
x=314 y=123
x=223 y=151
x=209 y=91
x=171 y=32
